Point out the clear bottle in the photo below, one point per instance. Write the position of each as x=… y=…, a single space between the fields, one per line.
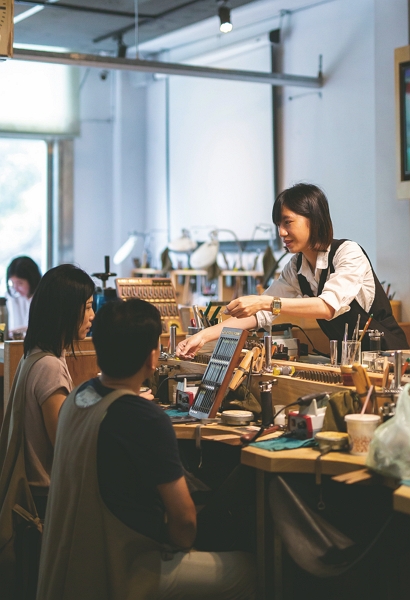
x=4 y=320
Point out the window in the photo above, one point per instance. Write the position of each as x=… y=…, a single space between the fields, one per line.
x=23 y=202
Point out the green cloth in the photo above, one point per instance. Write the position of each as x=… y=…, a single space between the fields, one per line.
x=284 y=443
x=340 y=404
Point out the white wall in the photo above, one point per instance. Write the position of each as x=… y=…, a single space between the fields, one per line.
x=93 y=173
x=221 y=149
x=343 y=141
x=330 y=140
x=109 y=180
x=392 y=215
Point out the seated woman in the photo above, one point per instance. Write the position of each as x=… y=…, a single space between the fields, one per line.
x=23 y=277
x=60 y=313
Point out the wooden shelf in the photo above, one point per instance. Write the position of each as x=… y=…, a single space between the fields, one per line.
x=224 y=292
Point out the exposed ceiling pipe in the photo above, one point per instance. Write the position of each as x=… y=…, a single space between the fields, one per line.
x=151 y=66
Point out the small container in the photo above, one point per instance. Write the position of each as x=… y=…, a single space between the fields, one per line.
x=265 y=388
x=280 y=419
x=333 y=352
x=375 y=341
x=236 y=417
x=332 y=441
x=4 y=320
x=267 y=342
x=172 y=340
x=351 y=353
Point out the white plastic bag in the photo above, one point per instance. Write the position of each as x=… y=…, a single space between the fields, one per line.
x=389 y=451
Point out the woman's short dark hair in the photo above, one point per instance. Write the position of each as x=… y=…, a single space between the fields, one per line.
x=309 y=201
x=57 y=309
x=124 y=334
x=24 y=267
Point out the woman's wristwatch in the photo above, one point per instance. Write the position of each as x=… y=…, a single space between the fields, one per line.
x=276 y=306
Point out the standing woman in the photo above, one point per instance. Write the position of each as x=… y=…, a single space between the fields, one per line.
x=23 y=277
x=326 y=279
x=60 y=313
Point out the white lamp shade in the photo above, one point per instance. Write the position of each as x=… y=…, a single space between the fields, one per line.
x=182 y=244
x=205 y=255
x=125 y=250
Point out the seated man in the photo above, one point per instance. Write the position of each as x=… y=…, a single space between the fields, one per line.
x=120 y=521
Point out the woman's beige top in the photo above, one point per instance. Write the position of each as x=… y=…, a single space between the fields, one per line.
x=47 y=375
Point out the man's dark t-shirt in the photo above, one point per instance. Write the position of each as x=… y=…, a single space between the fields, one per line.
x=137 y=450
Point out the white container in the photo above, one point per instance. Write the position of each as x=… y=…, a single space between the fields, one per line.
x=361 y=429
x=281 y=419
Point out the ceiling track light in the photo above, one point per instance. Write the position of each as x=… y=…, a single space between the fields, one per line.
x=224 y=13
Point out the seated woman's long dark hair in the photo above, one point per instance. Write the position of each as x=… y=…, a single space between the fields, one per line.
x=57 y=309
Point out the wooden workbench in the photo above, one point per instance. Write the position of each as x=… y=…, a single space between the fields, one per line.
x=302 y=460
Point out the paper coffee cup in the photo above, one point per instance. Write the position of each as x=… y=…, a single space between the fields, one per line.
x=361 y=429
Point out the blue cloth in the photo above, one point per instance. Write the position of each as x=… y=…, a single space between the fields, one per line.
x=173 y=412
x=284 y=443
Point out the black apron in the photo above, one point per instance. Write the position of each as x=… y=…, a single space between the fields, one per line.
x=383 y=320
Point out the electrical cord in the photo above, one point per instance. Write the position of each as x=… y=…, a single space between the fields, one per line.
x=283 y=326
x=315 y=350
x=180 y=377
x=302 y=401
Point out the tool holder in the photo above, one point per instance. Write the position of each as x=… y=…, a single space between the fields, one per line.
x=218 y=373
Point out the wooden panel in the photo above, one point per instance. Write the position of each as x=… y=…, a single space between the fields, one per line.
x=300 y=460
x=13 y=351
x=401 y=499
x=82 y=367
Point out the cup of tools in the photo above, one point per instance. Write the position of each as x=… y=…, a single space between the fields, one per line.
x=351 y=353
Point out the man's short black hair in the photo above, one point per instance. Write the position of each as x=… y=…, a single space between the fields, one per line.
x=124 y=334
x=309 y=201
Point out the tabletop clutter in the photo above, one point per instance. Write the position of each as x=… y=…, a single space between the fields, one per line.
x=370 y=420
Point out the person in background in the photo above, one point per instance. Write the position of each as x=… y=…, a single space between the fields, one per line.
x=329 y=280
x=23 y=277
x=60 y=313
x=120 y=521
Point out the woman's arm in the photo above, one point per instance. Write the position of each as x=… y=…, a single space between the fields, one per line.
x=315 y=308
x=189 y=347
x=50 y=409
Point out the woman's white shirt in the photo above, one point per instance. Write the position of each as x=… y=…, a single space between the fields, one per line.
x=18 y=308
x=352 y=279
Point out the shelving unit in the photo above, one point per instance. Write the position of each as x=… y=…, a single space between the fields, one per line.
x=232 y=284
x=148 y=272
x=229 y=284
x=183 y=291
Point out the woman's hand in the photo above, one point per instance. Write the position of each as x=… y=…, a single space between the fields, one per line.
x=189 y=347
x=247 y=306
